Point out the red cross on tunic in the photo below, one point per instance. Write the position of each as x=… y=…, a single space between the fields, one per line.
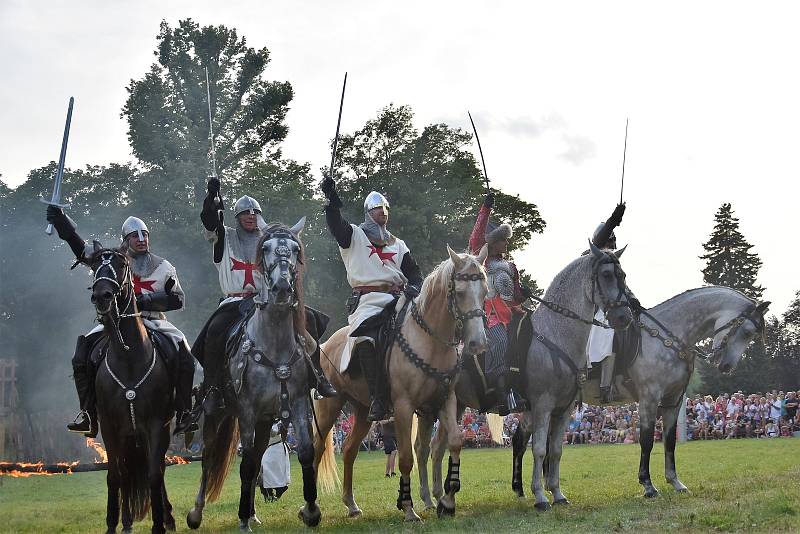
x=248 y=271
x=384 y=256
x=139 y=285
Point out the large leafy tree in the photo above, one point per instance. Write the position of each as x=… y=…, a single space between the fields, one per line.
x=729 y=261
x=168 y=115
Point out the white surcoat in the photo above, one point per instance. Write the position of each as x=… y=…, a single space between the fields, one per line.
x=275 y=469
x=371 y=266
x=601 y=342
x=238 y=275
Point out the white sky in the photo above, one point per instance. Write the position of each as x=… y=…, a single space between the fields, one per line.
x=711 y=90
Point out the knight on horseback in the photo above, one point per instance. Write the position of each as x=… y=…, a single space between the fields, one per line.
x=379 y=268
x=157 y=291
x=234 y=256
x=600 y=348
x=502 y=305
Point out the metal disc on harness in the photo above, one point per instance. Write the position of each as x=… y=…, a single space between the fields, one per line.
x=246 y=346
x=283 y=372
x=257 y=357
x=130 y=394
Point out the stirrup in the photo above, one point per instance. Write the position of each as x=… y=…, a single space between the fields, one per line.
x=377 y=411
x=83 y=424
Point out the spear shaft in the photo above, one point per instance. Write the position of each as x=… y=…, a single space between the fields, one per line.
x=483 y=162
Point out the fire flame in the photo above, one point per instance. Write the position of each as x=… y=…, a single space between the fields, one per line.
x=176 y=460
x=102 y=455
x=33 y=469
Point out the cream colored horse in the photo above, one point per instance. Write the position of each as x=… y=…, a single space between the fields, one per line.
x=450 y=306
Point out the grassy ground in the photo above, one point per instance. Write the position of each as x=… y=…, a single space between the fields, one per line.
x=736 y=485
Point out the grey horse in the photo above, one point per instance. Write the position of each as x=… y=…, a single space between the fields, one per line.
x=270 y=377
x=661 y=370
x=556 y=359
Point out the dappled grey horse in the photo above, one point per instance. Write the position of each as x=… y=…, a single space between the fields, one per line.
x=556 y=363
x=269 y=373
x=664 y=364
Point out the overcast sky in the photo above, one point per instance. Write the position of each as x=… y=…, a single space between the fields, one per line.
x=711 y=90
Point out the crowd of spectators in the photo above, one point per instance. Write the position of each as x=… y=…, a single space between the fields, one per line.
x=729 y=416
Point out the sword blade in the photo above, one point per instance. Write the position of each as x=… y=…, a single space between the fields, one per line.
x=211 y=129
x=624 y=153
x=56 y=196
x=483 y=162
x=338 y=123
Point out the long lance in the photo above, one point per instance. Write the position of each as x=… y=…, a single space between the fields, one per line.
x=55 y=199
x=624 y=153
x=217 y=199
x=338 y=123
x=483 y=161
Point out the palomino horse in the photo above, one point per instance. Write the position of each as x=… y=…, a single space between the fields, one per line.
x=557 y=358
x=134 y=399
x=661 y=371
x=270 y=377
x=421 y=368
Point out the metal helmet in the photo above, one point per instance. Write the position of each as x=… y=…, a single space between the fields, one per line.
x=134 y=224
x=246 y=204
x=376 y=200
x=611 y=239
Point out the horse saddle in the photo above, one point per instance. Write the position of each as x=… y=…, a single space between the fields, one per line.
x=380 y=327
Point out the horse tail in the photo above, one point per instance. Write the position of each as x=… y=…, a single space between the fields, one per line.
x=495 y=423
x=219 y=456
x=327 y=470
x=138 y=481
x=414 y=432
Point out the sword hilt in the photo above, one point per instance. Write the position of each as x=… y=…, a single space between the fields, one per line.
x=49 y=229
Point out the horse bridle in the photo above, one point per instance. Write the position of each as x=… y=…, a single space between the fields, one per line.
x=106 y=256
x=283 y=259
x=452 y=308
x=733 y=326
x=620 y=300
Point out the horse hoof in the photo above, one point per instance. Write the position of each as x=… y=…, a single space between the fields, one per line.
x=542 y=506
x=155 y=530
x=310 y=519
x=444 y=511
x=683 y=490
x=169 y=524
x=354 y=513
x=194 y=518
x=651 y=493
x=562 y=502
x=244 y=526
x=412 y=518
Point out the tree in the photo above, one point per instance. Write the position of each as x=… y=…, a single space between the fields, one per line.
x=729 y=261
x=167 y=110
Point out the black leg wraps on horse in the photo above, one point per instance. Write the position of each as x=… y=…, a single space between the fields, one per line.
x=372 y=367
x=84 y=373
x=404 y=494
x=309 y=484
x=453 y=482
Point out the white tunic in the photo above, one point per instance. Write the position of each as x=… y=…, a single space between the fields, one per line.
x=237 y=276
x=601 y=342
x=152 y=283
x=371 y=266
x=275 y=469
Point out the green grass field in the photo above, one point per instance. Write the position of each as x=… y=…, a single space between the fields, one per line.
x=735 y=485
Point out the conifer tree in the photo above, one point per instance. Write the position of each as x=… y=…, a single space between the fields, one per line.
x=729 y=261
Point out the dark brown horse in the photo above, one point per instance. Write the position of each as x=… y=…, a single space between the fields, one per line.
x=134 y=399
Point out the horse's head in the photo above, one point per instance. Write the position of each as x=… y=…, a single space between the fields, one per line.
x=112 y=292
x=608 y=287
x=465 y=295
x=732 y=336
x=280 y=253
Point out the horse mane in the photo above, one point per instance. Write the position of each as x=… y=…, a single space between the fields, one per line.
x=299 y=311
x=565 y=280
x=701 y=289
x=434 y=287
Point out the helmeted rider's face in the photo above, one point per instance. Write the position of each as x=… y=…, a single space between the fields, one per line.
x=498 y=247
x=248 y=221
x=135 y=245
x=380 y=215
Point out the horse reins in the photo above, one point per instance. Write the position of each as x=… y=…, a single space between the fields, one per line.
x=106 y=256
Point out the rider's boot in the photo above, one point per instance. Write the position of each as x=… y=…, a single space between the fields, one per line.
x=370 y=367
x=183 y=392
x=606 y=378
x=509 y=400
x=86 y=421
x=323 y=386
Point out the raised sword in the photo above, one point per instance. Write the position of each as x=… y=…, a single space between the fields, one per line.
x=55 y=199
